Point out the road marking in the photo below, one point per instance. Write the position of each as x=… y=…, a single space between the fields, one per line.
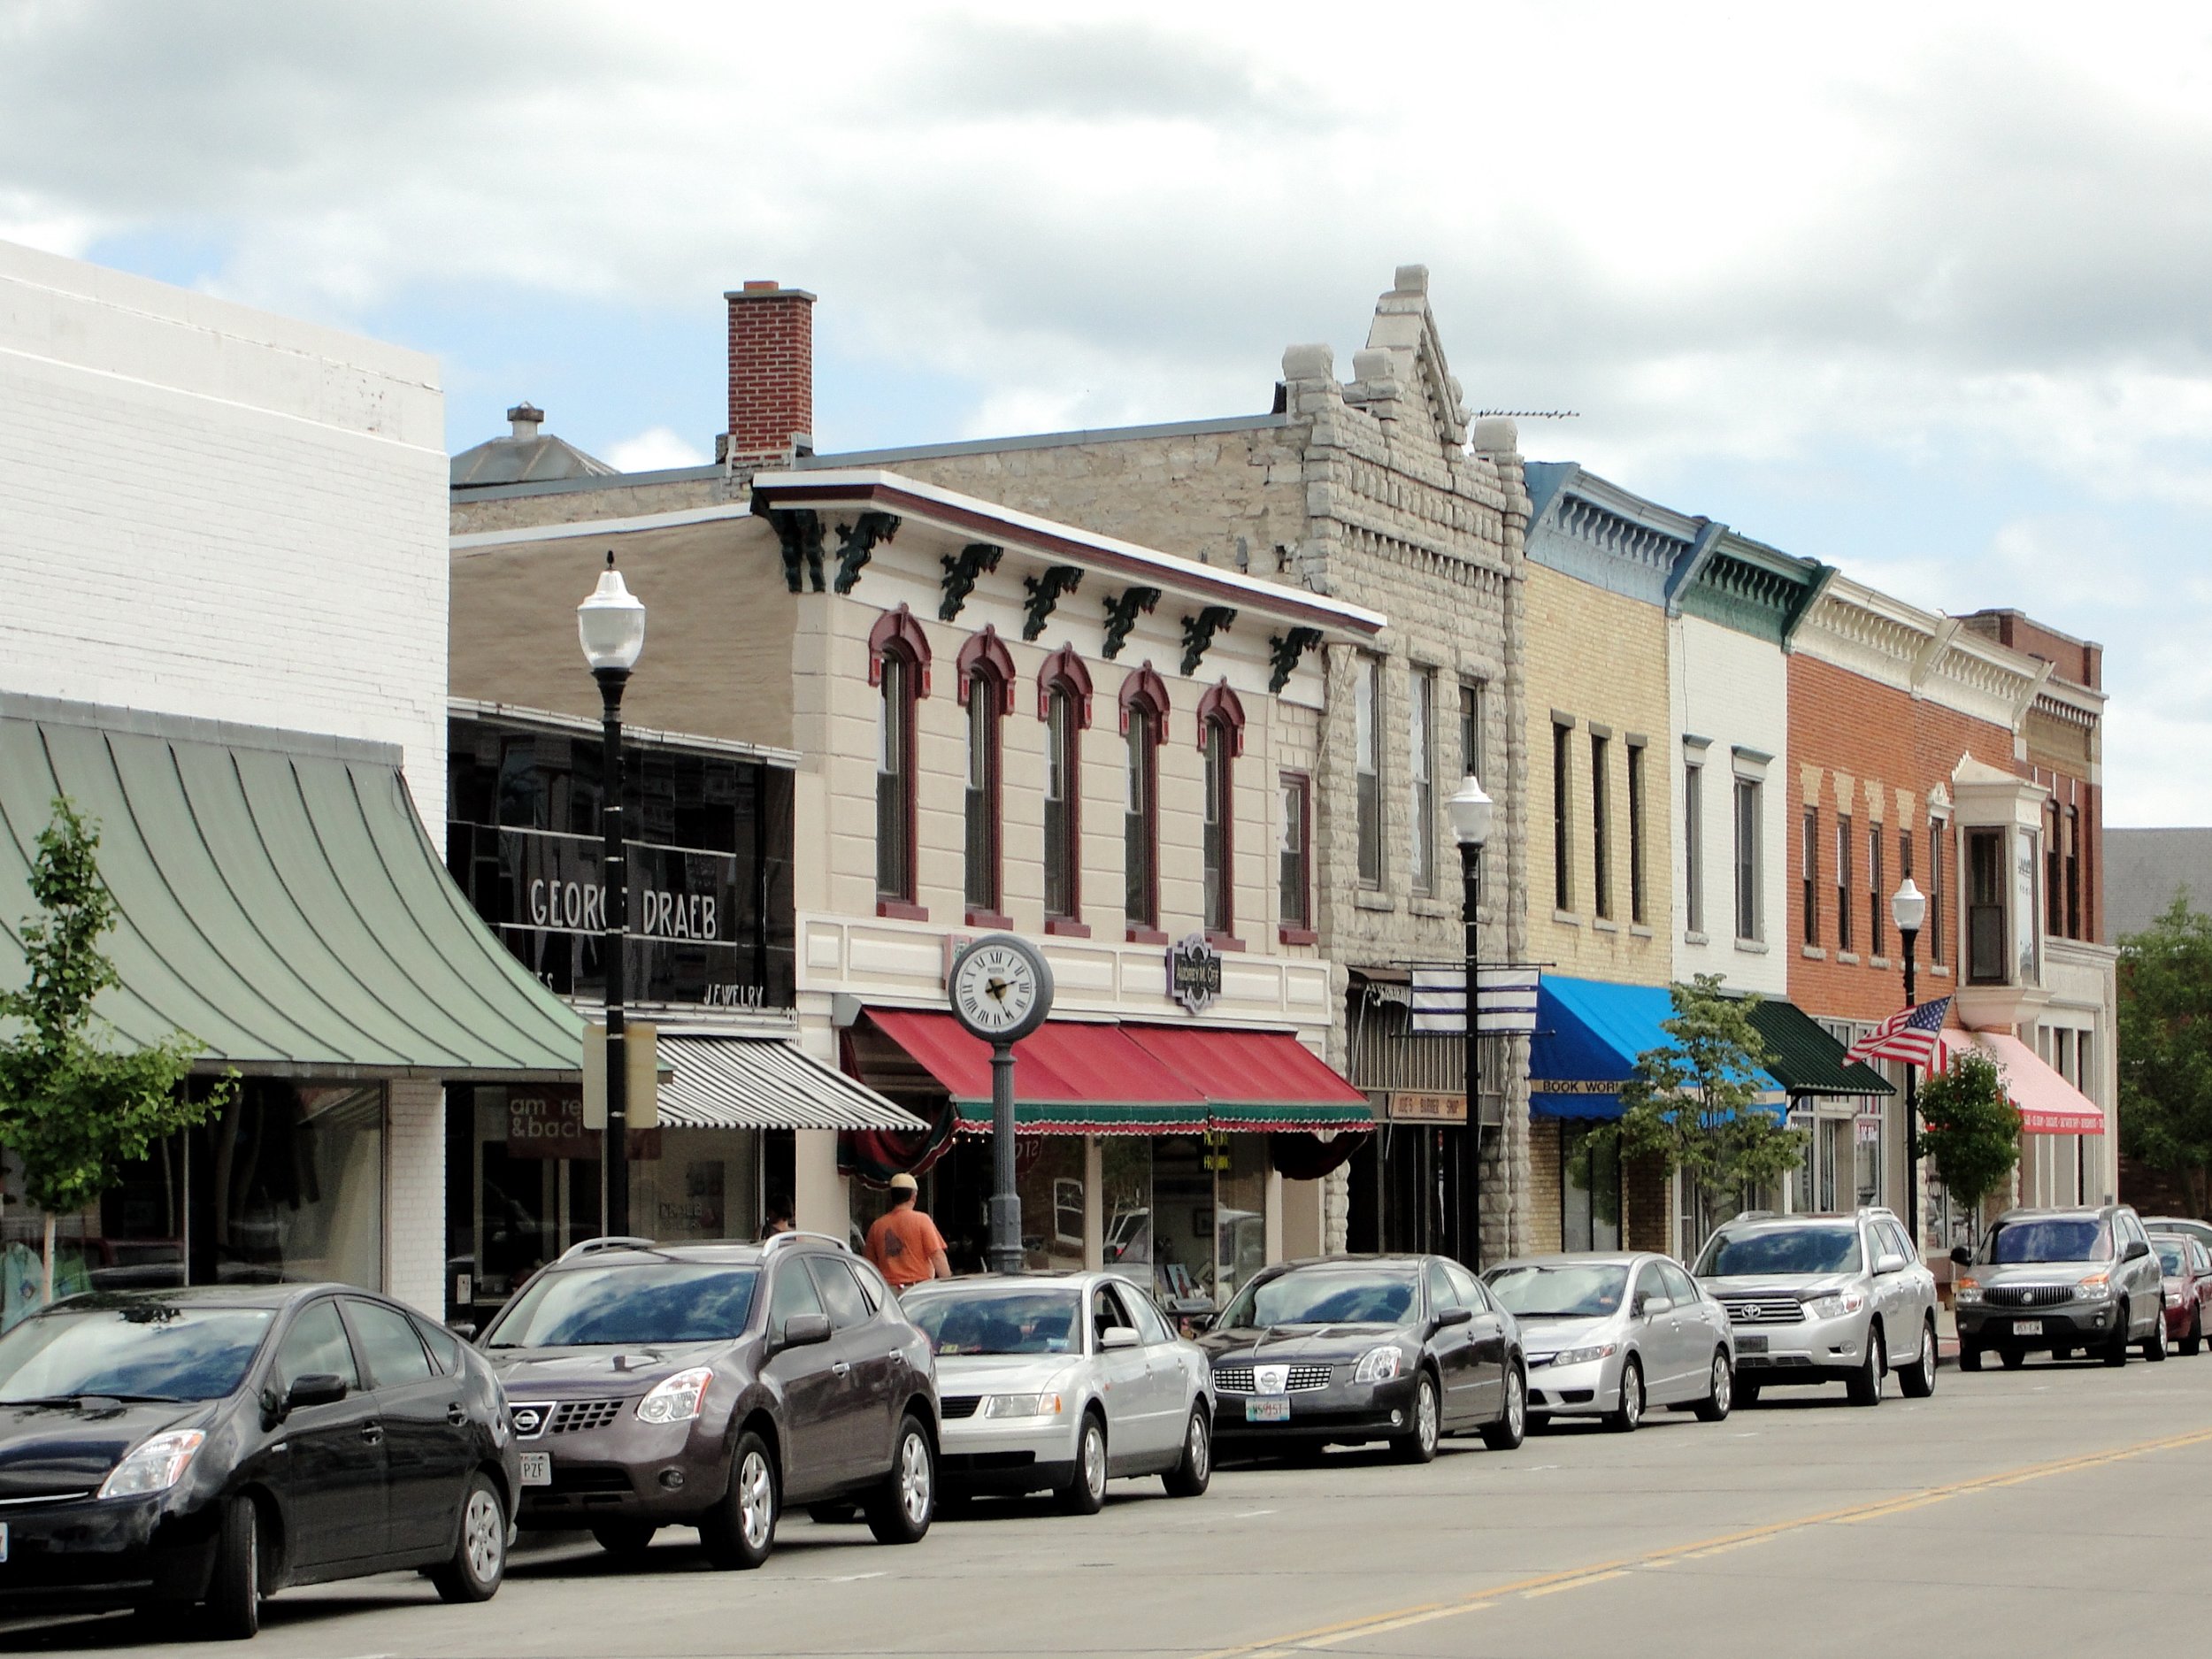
x=854 y=1577
x=1252 y=1515
x=1599 y=1572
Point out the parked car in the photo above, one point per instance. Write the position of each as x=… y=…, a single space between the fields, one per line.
x=2187 y=1268
x=1824 y=1299
x=2201 y=1231
x=2057 y=1281
x=714 y=1385
x=1052 y=1384
x=208 y=1448
x=1608 y=1336
x=1340 y=1350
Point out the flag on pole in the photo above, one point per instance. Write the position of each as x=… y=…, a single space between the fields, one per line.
x=1913 y=1035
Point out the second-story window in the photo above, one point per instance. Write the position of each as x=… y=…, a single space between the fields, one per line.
x=1692 y=846
x=1843 y=881
x=2073 y=873
x=1563 y=886
x=1811 y=854
x=1985 y=956
x=898 y=662
x=1295 y=852
x=2054 y=865
x=1877 y=901
x=1420 y=746
x=1220 y=738
x=1367 y=769
x=1639 y=905
x=1064 y=703
x=1750 y=923
x=1470 y=718
x=1601 y=826
x=1144 y=727
x=1936 y=832
x=986 y=681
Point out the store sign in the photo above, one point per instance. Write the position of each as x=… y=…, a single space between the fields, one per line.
x=1410 y=1107
x=547 y=1123
x=1193 y=973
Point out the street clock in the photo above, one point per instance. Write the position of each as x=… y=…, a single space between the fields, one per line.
x=1001 y=988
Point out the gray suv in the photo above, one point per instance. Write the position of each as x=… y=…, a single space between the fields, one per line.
x=1825 y=1298
x=2057 y=1281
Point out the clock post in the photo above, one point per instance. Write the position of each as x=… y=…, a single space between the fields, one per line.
x=1001 y=990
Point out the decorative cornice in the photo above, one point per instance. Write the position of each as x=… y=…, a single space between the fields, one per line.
x=799 y=532
x=1284 y=651
x=1044 y=594
x=1198 y=634
x=1121 y=616
x=961 y=570
x=855 y=542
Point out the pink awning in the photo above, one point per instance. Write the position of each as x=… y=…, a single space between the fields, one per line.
x=2049 y=1105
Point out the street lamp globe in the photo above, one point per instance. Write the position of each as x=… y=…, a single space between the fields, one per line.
x=612 y=624
x=1471 y=810
x=1909 y=907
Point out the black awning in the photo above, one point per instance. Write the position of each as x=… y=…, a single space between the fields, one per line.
x=1807 y=1060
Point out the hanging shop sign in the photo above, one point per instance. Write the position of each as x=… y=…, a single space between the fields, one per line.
x=1407 y=1107
x=1193 y=973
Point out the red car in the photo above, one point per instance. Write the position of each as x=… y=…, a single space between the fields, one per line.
x=2188 y=1269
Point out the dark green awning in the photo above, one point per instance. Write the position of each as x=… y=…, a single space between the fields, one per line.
x=1807 y=1060
x=277 y=899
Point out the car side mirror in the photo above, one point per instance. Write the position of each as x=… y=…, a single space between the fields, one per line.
x=315 y=1388
x=805 y=1330
x=1115 y=1336
x=1454 y=1316
x=1650 y=1305
x=2136 y=1251
x=1964 y=1256
x=1888 y=1263
x=465 y=1328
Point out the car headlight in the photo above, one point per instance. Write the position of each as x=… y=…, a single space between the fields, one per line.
x=1966 y=1290
x=1835 y=1304
x=677 y=1399
x=2096 y=1288
x=2173 y=1299
x=1584 y=1356
x=1378 y=1364
x=1045 y=1405
x=153 y=1465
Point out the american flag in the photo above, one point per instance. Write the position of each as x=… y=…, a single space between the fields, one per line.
x=1913 y=1035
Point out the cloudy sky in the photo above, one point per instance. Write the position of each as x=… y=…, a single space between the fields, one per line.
x=1923 y=291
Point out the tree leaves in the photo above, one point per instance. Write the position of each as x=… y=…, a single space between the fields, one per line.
x=1969 y=1127
x=2166 y=1046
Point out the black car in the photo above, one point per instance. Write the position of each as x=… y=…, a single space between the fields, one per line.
x=712 y=1385
x=206 y=1448
x=1344 y=1349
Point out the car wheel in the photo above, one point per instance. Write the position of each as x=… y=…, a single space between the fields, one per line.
x=1865 y=1386
x=1085 y=1492
x=2154 y=1344
x=1722 y=1394
x=740 y=1532
x=1189 y=1477
x=904 y=1503
x=1624 y=1418
x=2194 y=1340
x=1970 y=1355
x=1511 y=1426
x=2115 y=1351
x=233 y=1610
x=2061 y=1355
x=479 y=1554
x=2014 y=1358
x=1918 y=1379
x=1746 y=1391
x=1418 y=1444
x=629 y=1540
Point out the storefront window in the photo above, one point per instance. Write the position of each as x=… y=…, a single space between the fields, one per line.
x=1127 y=1200
x=1590 y=1187
x=1049 y=1178
x=1240 y=1211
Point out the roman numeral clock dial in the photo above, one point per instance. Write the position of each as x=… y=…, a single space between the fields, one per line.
x=1001 y=988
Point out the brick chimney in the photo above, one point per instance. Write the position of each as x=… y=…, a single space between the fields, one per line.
x=771 y=373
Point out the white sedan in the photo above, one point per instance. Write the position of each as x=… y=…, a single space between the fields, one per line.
x=1060 y=1383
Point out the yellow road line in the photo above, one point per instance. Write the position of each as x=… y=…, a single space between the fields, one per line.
x=1598 y=1572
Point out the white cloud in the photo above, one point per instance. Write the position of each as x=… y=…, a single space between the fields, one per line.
x=653 y=450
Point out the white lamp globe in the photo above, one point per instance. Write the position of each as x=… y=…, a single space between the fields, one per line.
x=612 y=624
x=1470 y=811
x=1909 y=907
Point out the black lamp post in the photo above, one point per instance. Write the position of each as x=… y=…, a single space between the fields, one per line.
x=611 y=624
x=1909 y=909
x=1471 y=812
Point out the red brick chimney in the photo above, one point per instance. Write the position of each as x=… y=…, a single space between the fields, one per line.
x=771 y=372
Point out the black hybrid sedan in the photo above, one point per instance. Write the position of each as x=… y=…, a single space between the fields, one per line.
x=203 y=1448
x=1337 y=1350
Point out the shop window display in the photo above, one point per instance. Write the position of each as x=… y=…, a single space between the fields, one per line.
x=1048 y=1175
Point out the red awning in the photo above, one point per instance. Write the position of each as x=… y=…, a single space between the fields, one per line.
x=2049 y=1105
x=1255 y=1080
x=1071 y=1079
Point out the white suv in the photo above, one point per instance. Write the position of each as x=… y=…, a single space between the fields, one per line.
x=1821 y=1299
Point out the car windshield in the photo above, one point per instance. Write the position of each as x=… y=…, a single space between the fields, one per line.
x=140 y=1350
x=1025 y=1321
x=598 y=1306
x=1325 y=1295
x=1745 y=1254
x=2171 y=1257
x=2048 y=1239
x=1573 y=1290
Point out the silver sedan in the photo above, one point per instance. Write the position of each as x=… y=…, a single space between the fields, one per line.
x=1060 y=1383
x=1609 y=1336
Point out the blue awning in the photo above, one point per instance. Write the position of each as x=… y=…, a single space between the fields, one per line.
x=1588 y=1034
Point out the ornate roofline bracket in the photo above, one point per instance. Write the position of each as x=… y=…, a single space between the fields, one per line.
x=1121 y=616
x=961 y=570
x=799 y=532
x=1044 y=593
x=1284 y=651
x=856 y=541
x=1198 y=633
x=1931 y=652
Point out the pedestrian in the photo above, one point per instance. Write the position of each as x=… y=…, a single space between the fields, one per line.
x=779 y=1218
x=904 y=1245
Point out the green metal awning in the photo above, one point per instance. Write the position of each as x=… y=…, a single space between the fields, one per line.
x=1807 y=1060
x=277 y=899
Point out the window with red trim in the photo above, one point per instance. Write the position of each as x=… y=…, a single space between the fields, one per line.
x=986 y=684
x=1294 y=853
x=1063 y=703
x=1220 y=737
x=898 y=666
x=1144 y=727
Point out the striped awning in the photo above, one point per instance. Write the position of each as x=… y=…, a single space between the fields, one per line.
x=732 y=1082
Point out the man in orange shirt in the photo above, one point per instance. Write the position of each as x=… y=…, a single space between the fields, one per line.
x=904 y=1245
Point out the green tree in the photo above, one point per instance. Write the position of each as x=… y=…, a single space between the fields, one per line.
x=1696 y=1103
x=1969 y=1127
x=76 y=1103
x=2166 y=1048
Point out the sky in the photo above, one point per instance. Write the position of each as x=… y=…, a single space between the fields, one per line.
x=1922 y=291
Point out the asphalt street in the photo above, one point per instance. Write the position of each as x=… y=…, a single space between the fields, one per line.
x=2056 y=1510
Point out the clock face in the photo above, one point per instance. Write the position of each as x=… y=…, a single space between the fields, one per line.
x=995 y=990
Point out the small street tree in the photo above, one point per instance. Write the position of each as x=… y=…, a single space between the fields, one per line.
x=2166 y=1048
x=1694 y=1104
x=76 y=1104
x=1969 y=1127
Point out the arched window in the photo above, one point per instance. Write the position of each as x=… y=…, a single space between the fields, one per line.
x=1221 y=740
x=1143 y=728
x=987 y=690
x=898 y=666
x=1063 y=703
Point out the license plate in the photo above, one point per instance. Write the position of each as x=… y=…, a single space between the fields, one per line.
x=1751 y=1345
x=2027 y=1327
x=1267 y=1410
x=537 y=1468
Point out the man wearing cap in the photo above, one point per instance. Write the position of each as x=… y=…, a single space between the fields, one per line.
x=904 y=1244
